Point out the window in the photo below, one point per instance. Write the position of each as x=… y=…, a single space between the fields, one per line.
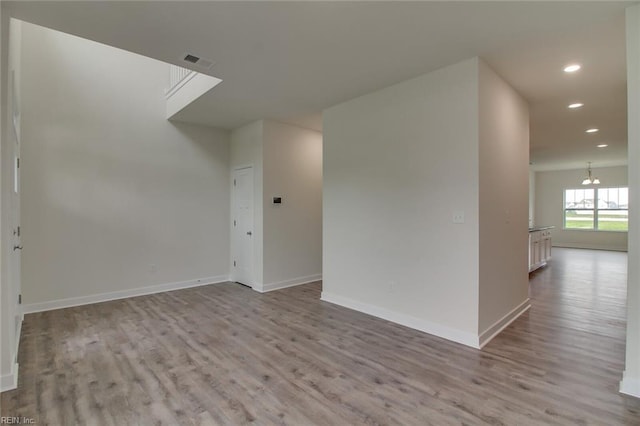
x=598 y=209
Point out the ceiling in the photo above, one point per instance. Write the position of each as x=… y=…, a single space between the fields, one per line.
x=290 y=60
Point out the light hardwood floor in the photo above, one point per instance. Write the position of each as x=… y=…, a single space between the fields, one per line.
x=223 y=354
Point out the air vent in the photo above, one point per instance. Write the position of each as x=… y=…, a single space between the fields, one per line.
x=191 y=58
x=197 y=63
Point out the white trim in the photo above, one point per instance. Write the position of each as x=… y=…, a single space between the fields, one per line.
x=458 y=336
x=10 y=381
x=192 y=87
x=172 y=91
x=537 y=266
x=259 y=287
x=630 y=386
x=18 y=334
x=491 y=332
x=122 y=294
x=288 y=283
x=590 y=246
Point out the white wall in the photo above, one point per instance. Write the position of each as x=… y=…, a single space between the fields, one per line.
x=10 y=317
x=397 y=163
x=550 y=188
x=246 y=150
x=631 y=380
x=287 y=162
x=5 y=352
x=504 y=200
x=293 y=229
x=115 y=197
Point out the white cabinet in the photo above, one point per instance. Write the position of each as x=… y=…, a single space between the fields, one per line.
x=534 y=249
x=546 y=249
x=539 y=247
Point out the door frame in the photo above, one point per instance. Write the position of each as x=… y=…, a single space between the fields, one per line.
x=15 y=263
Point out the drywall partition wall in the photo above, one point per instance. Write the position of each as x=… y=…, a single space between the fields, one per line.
x=287 y=162
x=115 y=197
x=5 y=339
x=397 y=164
x=631 y=378
x=550 y=188
x=504 y=203
x=292 y=158
x=246 y=151
x=10 y=316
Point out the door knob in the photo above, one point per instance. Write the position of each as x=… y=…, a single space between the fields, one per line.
x=249 y=233
x=17 y=248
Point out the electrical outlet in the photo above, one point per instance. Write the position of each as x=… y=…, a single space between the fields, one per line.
x=392 y=285
x=458 y=217
x=153 y=268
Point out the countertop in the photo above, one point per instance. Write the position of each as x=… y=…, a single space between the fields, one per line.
x=540 y=228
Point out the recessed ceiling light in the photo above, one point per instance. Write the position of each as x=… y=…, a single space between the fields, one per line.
x=591 y=130
x=572 y=68
x=576 y=105
x=602 y=145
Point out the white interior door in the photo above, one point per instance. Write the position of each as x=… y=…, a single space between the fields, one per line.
x=16 y=242
x=242 y=226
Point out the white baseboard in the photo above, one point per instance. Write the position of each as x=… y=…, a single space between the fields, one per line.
x=122 y=294
x=9 y=381
x=589 y=246
x=18 y=334
x=257 y=287
x=491 y=332
x=458 y=336
x=288 y=283
x=630 y=386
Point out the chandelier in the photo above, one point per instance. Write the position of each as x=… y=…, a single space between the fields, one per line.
x=590 y=180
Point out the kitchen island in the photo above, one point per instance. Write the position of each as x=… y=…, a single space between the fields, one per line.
x=539 y=246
